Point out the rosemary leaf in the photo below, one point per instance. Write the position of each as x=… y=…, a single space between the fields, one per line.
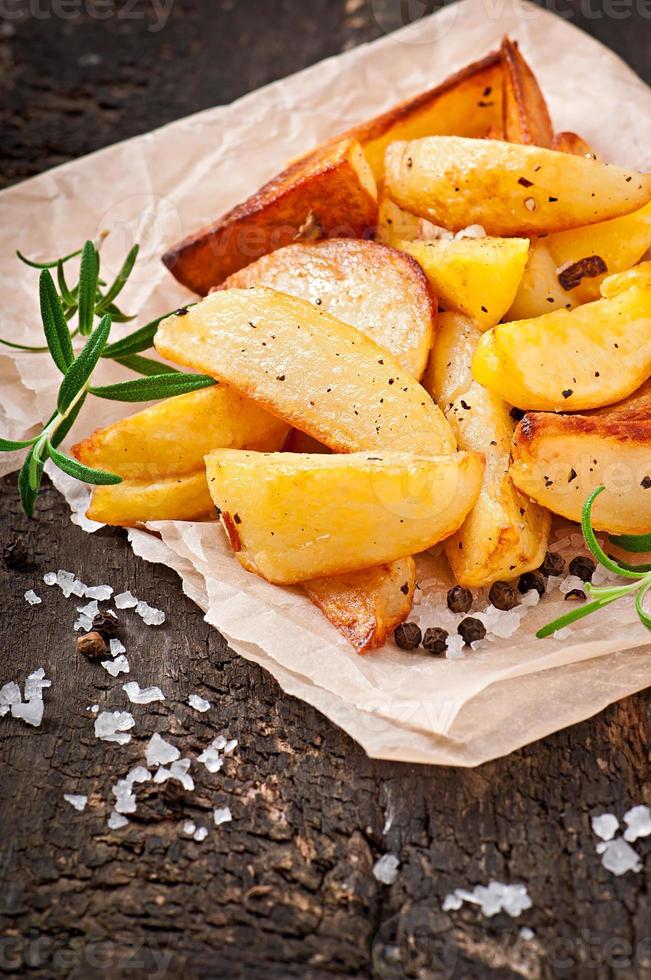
x=10 y=446
x=80 y=472
x=28 y=492
x=81 y=369
x=593 y=544
x=88 y=275
x=145 y=365
x=156 y=387
x=632 y=542
x=139 y=340
x=119 y=281
x=54 y=323
x=46 y=265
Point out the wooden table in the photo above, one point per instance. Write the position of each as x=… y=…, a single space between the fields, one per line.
x=286 y=889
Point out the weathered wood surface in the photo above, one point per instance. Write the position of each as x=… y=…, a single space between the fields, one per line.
x=286 y=889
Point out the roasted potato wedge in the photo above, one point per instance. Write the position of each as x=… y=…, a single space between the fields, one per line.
x=559 y=459
x=539 y=291
x=475 y=276
x=526 y=116
x=395 y=225
x=506 y=188
x=172 y=437
x=366 y=606
x=377 y=289
x=568 y=142
x=505 y=534
x=182 y=498
x=469 y=103
x=291 y=518
x=331 y=193
x=571 y=360
x=636 y=406
x=318 y=374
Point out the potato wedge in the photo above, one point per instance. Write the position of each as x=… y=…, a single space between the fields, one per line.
x=291 y=518
x=506 y=188
x=540 y=291
x=526 y=116
x=568 y=142
x=172 y=437
x=331 y=193
x=570 y=360
x=636 y=406
x=395 y=225
x=377 y=289
x=182 y=498
x=469 y=103
x=559 y=459
x=366 y=606
x=505 y=534
x=318 y=374
x=475 y=276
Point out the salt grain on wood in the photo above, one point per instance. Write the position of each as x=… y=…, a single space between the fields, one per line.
x=32 y=598
x=76 y=800
x=385 y=869
x=142 y=695
x=198 y=703
x=222 y=815
x=118 y=666
x=113 y=726
x=125 y=600
x=638 y=823
x=605 y=825
x=159 y=752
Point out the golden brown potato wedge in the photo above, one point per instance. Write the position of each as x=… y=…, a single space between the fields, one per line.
x=320 y=375
x=182 y=498
x=571 y=360
x=526 y=116
x=559 y=459
x=469 y=103
x=394 y=225
x=291 y=518
x=505 y=534
x=573 y=143
x=509 y=189
x=331 y=193
x=377 y=289
x=366 y=606
x=636 y=406
x=475 y=276
x=172 y=437
x=539 y=291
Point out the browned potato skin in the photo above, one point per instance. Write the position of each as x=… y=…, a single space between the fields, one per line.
x=558 y=459
x=330 y=193
x=526 y=116
x=179 y=498
x=468 y=103
x=568 y=142
x=636 y=406
x=379 y=290
x=366 y=606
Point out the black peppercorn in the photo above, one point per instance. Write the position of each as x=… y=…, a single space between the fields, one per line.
x=106 y=624
x=554 y=564
x=503 y=595
x=407 y=636
x=583 y=567
x=532 y=580
x=435 y=639
x=15 y=556
x=471 y=629
x=575 y=595
x=459 y=599
x=92 y=645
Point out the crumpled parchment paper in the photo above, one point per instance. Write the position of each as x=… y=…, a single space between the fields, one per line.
x=156 y=188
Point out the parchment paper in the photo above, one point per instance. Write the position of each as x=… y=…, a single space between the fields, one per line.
x=157 y=188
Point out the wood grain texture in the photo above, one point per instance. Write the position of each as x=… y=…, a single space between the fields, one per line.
x=285 y=890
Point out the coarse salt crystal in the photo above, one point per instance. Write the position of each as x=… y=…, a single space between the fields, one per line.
x=9 y=695
x=118 y=666
x=211 y=757
x=230 y=745
x=452 y=902
x=91 y=609
x=604 y=825
x=385 y=869
x=35 y=683
x=563 y=634
x=571 y=582
x=83 y=622
x=159 y=752
x=526 y=933
x=618 y=857
x=116 y=820
x=530 y=598
x=189 y=827
x=149 y=615
x=100 y=592
x=76 y=800
x=94 y=708
x=32 y=598
x=115 y=647
x=222 y=815
x=113 y=726
x=31 y=712
x=50 y=578
x=454 y=647
x=200 y=834
x=497 y=897
x=472 y=231
x=179 y=771
x=638 y=823
x=198 y=703
x=125 y=600
x=142 y=695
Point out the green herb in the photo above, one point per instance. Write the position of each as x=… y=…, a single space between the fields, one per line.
x=601 y=596
x=88 y=302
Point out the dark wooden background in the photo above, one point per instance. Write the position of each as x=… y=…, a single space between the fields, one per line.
x=286 y=889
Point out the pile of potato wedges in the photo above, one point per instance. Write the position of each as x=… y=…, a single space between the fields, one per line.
x=433 y=328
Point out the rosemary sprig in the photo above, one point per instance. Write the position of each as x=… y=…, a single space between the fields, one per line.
x=602 y=596
x=57 y=309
